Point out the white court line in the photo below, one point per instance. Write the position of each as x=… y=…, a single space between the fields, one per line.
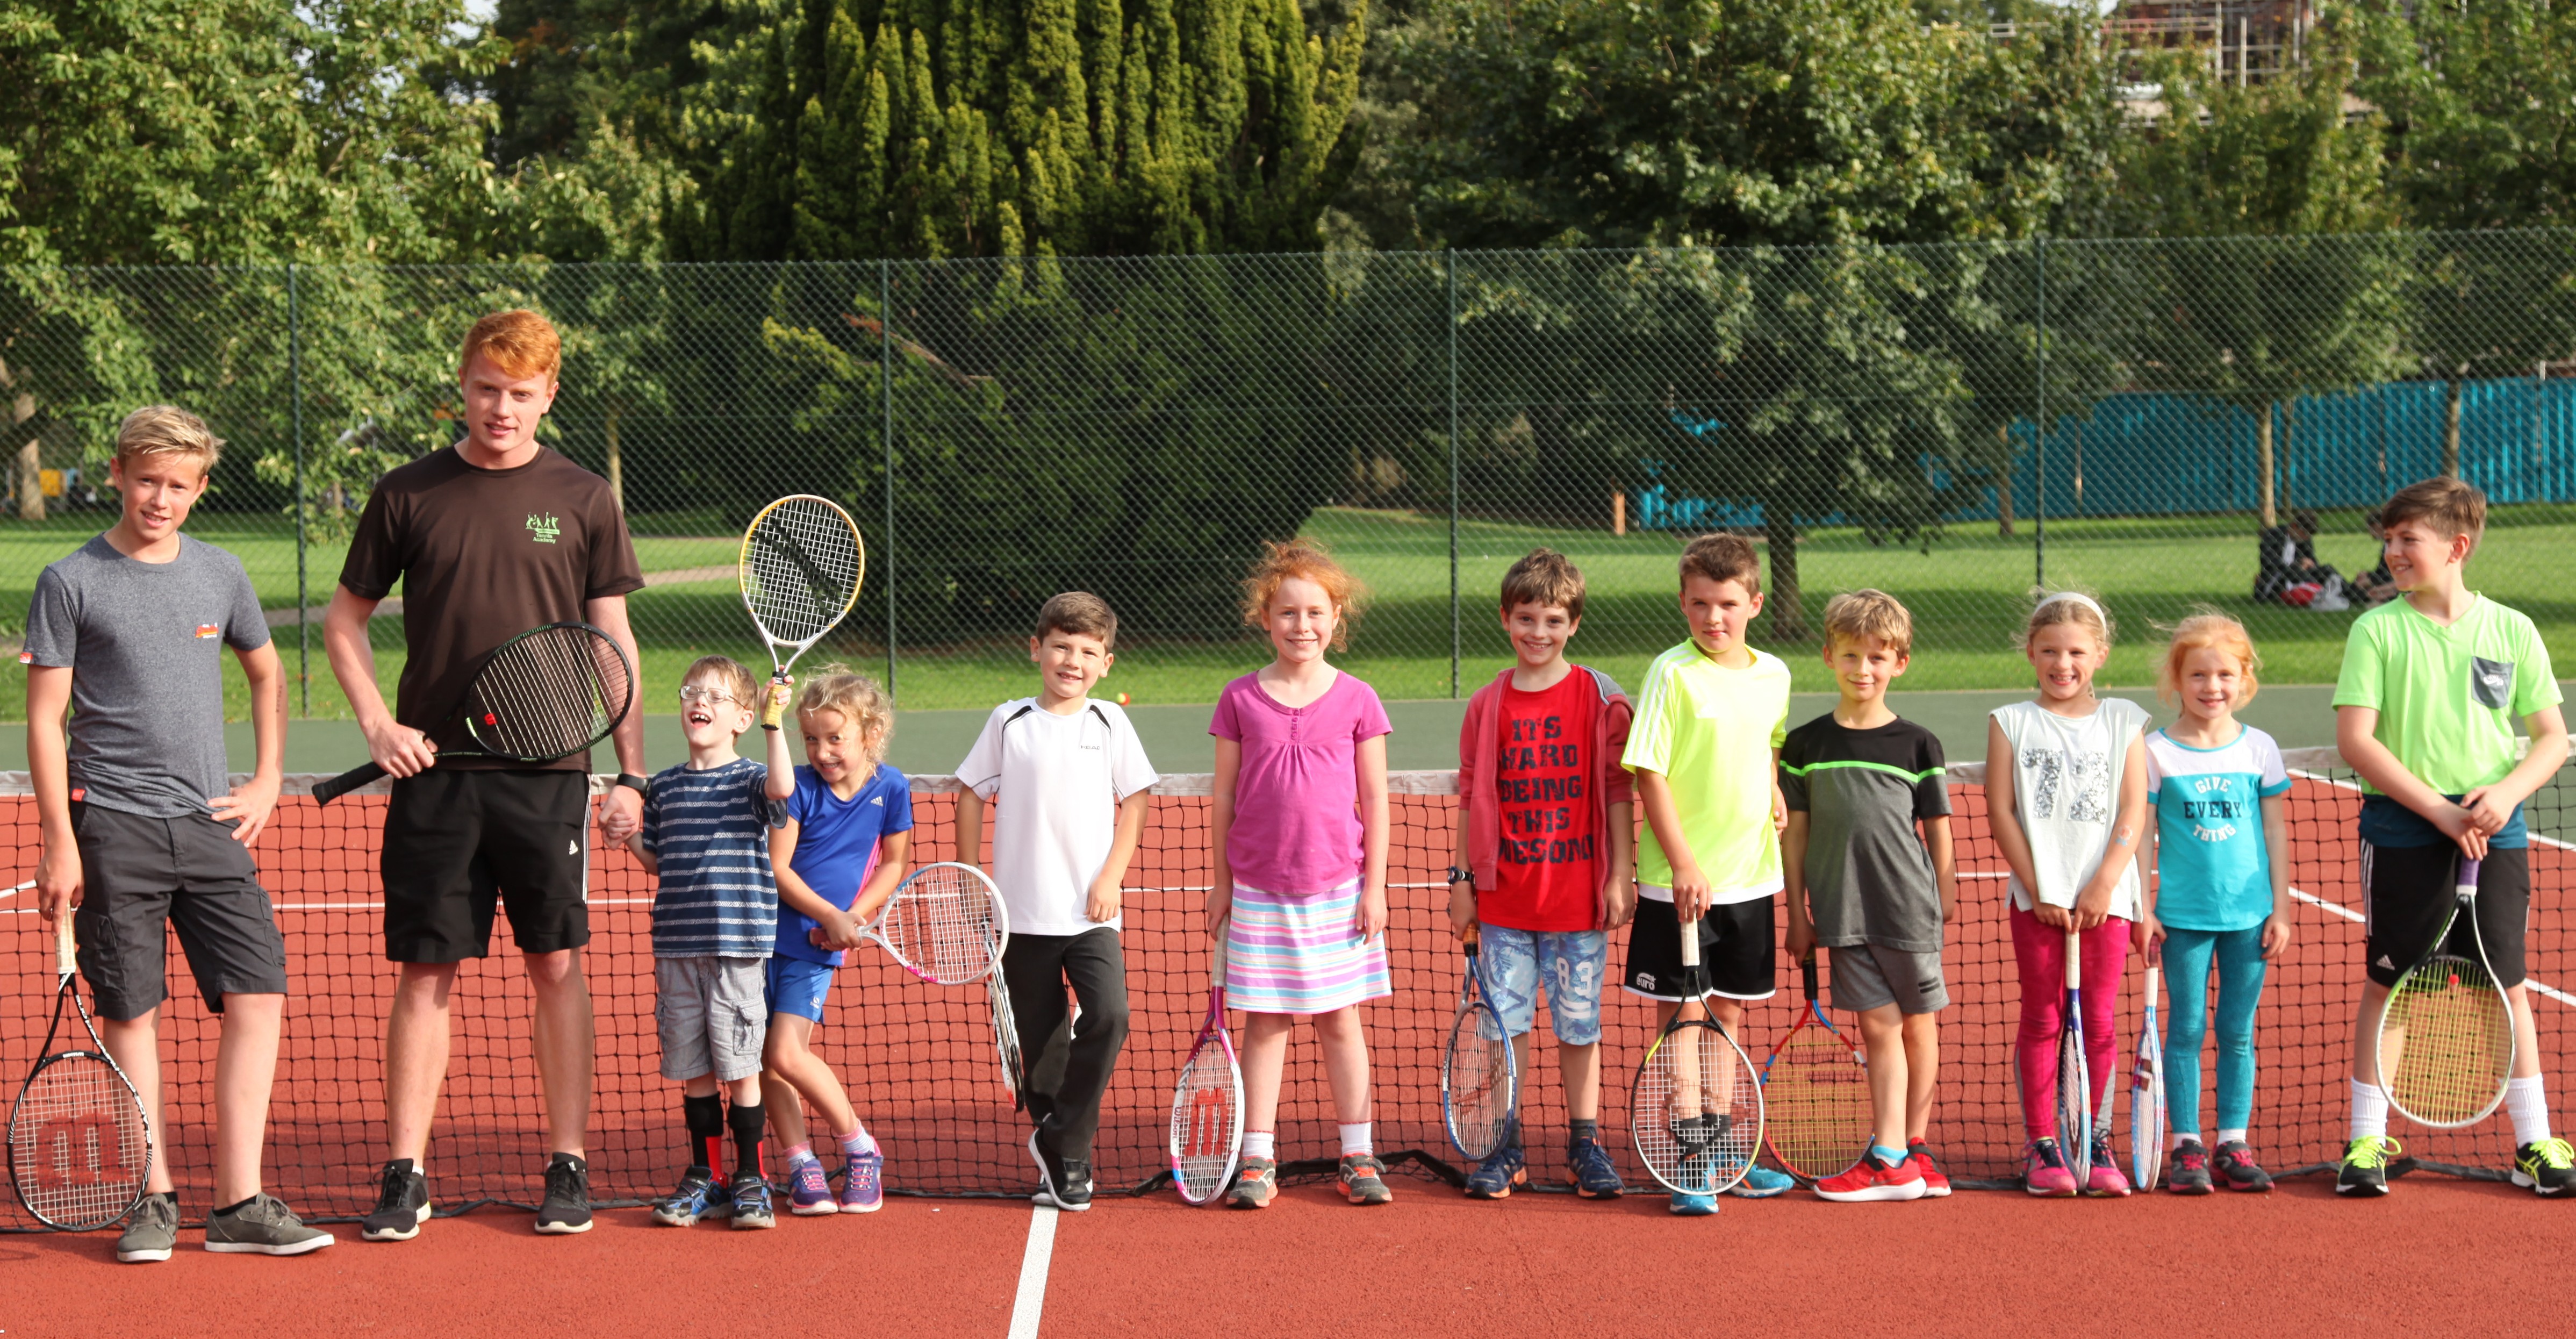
x=1031 y=1298
x=2351 y=915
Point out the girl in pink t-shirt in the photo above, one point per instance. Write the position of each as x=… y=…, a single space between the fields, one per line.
x=1300 y=834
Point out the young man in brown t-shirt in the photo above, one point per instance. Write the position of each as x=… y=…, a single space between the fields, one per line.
x=489 y=538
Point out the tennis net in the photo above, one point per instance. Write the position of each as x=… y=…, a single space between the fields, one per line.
x=919 y=1059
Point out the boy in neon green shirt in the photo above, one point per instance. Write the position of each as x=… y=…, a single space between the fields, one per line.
x=1705 y=746
x=2424 y=711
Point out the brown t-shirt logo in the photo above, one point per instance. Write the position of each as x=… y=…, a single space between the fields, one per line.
x=543 y=528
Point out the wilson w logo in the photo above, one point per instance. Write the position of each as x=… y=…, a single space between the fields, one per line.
x=82 y=1150
x=1208 y=1122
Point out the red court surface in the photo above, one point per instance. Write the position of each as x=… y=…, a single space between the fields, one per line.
x=2463 y=1257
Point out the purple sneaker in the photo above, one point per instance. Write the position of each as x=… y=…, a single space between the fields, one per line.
x=809 y=1192
x=863 y=1184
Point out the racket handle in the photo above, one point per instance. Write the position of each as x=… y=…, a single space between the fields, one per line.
x=2074 y=954
x=365 y=774
x=2467 y=883
x=66 y=954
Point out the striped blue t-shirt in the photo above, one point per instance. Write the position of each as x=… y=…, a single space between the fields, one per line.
x=710 y=833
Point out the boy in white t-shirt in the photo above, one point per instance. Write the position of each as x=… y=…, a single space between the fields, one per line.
x=1071 y=780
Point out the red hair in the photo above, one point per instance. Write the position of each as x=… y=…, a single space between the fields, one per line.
x=1301 y=558
x=2208 y=630
x=520 y=343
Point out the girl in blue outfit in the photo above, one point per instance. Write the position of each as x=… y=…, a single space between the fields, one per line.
x=2223 y=894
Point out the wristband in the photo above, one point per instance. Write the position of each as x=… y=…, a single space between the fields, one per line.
x=634 y=783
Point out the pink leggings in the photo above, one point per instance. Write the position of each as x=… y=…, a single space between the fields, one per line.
x=2042 y=954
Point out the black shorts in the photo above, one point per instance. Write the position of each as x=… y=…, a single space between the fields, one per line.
x=2409 y=893
x=139 y=874
x=1735 y=946
x=456 y=841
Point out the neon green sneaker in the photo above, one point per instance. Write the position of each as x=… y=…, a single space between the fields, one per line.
x=2365 y=1165
x=2546 y=1166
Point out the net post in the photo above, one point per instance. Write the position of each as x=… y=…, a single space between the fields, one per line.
x=2039 y=419
x=885 y=385
x=1452 y=267
x=295 y=403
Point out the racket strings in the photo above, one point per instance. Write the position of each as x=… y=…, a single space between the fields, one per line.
x=1815 y=1105
x=2074 y=1104
x=2446 y=1048
x=802 y=566
x=1206 y=1122
x=1697 y=1111
x=942 y=926
x=550 y=693
x=1476 y=1075
x=77 y=1142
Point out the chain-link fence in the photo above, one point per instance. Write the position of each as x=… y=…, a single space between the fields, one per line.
x=2145 y=419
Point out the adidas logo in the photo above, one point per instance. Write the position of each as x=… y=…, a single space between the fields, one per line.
x=2385 y=964
x=572 y=848
x=878 y=801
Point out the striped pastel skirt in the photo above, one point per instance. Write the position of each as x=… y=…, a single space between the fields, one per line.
x=1301 y=955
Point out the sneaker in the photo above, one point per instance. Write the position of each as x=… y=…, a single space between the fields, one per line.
x=150 y=1231
x=809 y=1191
x=1063 y=1182
x=1761 y=1183
x=2236 y=1159
x=863 y=1184
x=1256 y=1183
x=402 y=1203
x=2365 y=1165
x=264 y=1226
x=1589 y=1170
x=2547 y=1166
x=1494 y=1178
x=1870 y=1181
x=566 y=1209
x=2105 y=1178
x=1693 y=1206
x=1363 y=1179
x=2044 y=1171
x=751 y=1203
x=696 y=1198
x=2187 y=1169
x=1936 y=1183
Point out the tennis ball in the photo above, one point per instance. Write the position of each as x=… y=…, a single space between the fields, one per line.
x=1122 y=699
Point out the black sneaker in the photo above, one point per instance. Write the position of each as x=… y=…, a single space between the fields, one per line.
x=2236 y=1160
x=2365 y=1166
x=751 y=1207
x=2545 y=1166
x=2187 y=1169
x=1063 y=1182
x=402 y=1203
x=567 y=1206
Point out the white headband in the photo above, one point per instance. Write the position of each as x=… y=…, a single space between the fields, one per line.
x=2082 y=599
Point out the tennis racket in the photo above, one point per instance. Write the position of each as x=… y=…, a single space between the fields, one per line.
x=545 y=694
x=802 y=562
x=1207 y=1104
x=1816 y=1112
x=2446 y=1038
x=80 y=1152
x=1006 y=1039
x=1480 y=1082
x=945 y=923
x=2074 y=1081
x=1695 y=1110
x=2147 y=1123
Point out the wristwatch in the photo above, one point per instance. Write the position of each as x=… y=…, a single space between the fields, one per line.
x=634 y=783
x=1462 y=874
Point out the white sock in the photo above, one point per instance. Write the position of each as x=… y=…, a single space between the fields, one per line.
x=858 y=1143
x=1355 y=1138
x=2182 y=1137
x=1260 y=1144
x=2530 y=1110
x=2232 y=1137
x=2369 y=1110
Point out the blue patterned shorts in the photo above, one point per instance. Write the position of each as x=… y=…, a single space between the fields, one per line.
x=1571 y=961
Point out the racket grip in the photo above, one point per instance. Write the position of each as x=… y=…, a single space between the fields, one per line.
x=2074 y=954
x=2467 y=882
x=364 y=774
x=66 y=952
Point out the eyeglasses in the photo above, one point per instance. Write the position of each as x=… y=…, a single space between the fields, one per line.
x=713 y=697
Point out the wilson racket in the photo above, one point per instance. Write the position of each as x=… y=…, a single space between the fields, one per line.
x=802 y=562
x=2074 y=1080
x=2147 y=1116
x=1006 y=1040
x=1695 y=1110
x=545 y=694
x=2446 y=1038
x=80 y=1152
x=944 y=923
x=1207 y=1104
x=1480 y=1083
x=1816 y=1113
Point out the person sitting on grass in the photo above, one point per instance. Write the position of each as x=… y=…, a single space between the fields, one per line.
x=137 y=828
x=715 y=921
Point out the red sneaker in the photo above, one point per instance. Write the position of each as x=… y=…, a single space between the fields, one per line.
x=1936 y=1183
x=1871 y=1180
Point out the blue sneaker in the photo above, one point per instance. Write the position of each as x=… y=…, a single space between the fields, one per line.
x=1494 y=1178
x=1589 y=1170
x=809 y=1191
x=751 y=1202
x=863 y=1184
x=698 y=1197
x=1761 y=1183
x=1694 y=1206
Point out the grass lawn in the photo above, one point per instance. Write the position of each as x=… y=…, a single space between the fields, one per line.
x=1967 y=596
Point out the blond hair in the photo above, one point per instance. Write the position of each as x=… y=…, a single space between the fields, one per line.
x=520 y=343
x=1855 y=614
x=737 y=681
x=1289 y=559
x=1545 y=578
x=2208 y=630
x=859 y=701
x=166 y=430
x=1723 y=557
x=2053 y=607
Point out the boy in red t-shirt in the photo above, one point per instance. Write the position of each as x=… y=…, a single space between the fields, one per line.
x=1546 y=854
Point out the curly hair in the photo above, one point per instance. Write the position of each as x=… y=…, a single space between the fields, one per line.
x=1282 y=560
x=857 y=698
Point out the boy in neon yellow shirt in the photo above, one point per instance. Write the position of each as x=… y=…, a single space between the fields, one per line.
x=2424 y=710
x=1705 y=746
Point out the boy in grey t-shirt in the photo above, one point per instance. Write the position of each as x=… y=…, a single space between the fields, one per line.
x=138 y=828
